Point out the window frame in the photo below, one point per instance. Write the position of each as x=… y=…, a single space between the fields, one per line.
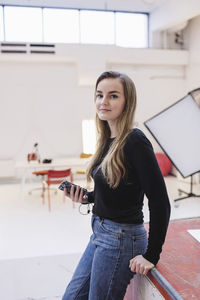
x=81 y=9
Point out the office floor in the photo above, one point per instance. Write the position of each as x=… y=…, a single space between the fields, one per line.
x=39 y=249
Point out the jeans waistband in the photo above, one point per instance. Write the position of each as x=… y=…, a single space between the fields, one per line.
x=121 y=225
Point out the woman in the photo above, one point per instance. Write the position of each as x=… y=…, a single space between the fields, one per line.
x=124 y=168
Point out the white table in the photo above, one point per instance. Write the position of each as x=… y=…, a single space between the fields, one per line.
x=70 y=162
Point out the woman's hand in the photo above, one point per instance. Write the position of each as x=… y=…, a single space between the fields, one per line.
x=76 y=196
x=140 y=265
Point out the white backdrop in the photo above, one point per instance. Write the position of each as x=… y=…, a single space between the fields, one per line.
x=46 y=100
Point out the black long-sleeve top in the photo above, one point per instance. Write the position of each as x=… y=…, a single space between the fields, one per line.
x=124 y=204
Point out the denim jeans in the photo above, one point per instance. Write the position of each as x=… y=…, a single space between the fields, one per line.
x=103 y=272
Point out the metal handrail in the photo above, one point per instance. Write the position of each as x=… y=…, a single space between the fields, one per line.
x=165 y=285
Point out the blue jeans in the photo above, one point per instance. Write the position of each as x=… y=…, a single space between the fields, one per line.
x=103 y=272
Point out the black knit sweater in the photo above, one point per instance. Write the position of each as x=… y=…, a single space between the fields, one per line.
x=124 y=204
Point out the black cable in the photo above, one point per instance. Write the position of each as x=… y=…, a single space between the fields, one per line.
x=89 y=209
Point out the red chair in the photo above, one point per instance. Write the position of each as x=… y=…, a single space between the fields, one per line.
x=55 y=177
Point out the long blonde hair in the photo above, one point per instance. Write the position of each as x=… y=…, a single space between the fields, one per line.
x=113 y=164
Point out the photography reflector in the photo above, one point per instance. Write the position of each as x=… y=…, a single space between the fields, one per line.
x=177 y=131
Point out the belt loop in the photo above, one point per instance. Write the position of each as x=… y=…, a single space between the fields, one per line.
x=101 y=220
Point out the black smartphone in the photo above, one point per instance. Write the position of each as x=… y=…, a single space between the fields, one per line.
x=67 y=184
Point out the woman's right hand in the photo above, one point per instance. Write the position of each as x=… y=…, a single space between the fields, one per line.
x=76 y=196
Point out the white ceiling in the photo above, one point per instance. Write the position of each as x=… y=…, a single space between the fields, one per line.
x=124 y=5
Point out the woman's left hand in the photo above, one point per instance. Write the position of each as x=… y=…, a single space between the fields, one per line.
x=140 y=265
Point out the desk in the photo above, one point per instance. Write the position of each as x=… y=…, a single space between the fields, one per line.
x=179 y=265
x=58 y=164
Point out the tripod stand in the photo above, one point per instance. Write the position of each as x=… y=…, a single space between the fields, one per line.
x=188 y=195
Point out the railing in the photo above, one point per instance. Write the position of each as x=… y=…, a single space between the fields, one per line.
x=165 y=285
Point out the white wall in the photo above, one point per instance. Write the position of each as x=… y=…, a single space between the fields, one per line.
x=173 y=13
x=172 y=17
x=41 y=102
x=45 y=100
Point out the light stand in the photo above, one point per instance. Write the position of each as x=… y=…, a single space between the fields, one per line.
x=190 y=194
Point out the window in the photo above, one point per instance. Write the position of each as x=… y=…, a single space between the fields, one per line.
x=23 y=24
x=97 y=27
x=61 y=25
x=89 y=136
x=1 y=24
x=131 y=30
x=54 y=25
